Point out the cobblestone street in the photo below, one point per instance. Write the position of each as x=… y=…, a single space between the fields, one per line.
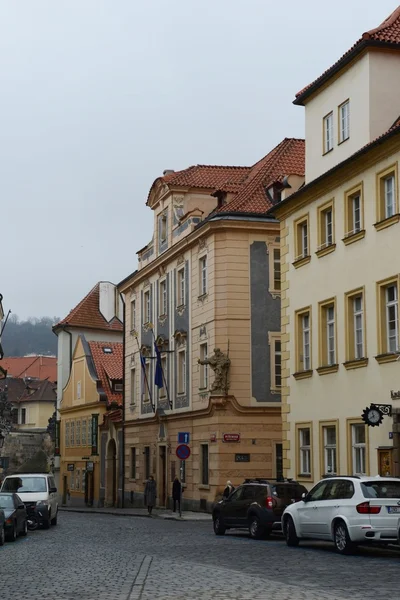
x=101 y=557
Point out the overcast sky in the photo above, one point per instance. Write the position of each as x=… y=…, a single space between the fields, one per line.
x=98 y=97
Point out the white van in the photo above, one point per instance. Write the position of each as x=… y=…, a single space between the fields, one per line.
x=38 y=492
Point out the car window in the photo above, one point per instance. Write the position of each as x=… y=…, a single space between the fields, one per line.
x=237 y=494
x=248 y=493
x=381 y=489
x=289 y=492
x=52 y=483
x=25 y=485
x=318 y=492
x=6 y=501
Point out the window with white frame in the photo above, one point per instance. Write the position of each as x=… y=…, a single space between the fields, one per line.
x=133 y=315
x=392 y=318
x=146 y=307
x=305 y=451
x=78 y=433
x=356 y=212
x=328 y=222
x=67 y=438
x=328 y=132
x=301 y=239
x=306 y=341
x=304 y=238
x=330 y=334
x=358 y=324
x=390 y=203
x=72 y=431
x=329 y=434
x=277 y=269
x=344 y=121
x=182 y=371
x=203 y=368
x=181 y=286
x=84 y=432
x=89 y=431
x=358 y=449
x=163 y=297
x=203 y=275
x=276 y=361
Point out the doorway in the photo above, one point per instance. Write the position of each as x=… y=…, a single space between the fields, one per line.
x=65 y=490
x=162 y=476
x=111 y=472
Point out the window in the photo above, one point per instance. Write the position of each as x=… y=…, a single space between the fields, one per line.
x=89 y=431
x=387 y=198
x=275 y=269
x=303 y=342
x=344 y=121
x=358 y=449
x=276 y=361
x=355 y=329
x=133 y=390
x=67 y=438
x=163 y=228
x=388 y=321
x=181 y=287
x=302 y=248
x=23 y=416
x=77 y=480
x=163 y=297
x=146 y=307
x=354 y=213
x=182 y=372
x=133 y=315
x=72 y=433
x=204 y=464
x=146 y=462
x=326 y=233
x=327 y=336
x=203 y=275
x=133 y=463
x=78 y=433
x=203 y=384
x=329 y=439
x=84 y=432
x=318 y=492
x=328 y=132
x=304 y=454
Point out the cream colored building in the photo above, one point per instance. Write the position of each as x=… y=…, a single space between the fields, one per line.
x=209 y=278
x=340 y=239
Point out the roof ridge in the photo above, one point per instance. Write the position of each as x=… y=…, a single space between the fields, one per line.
x=392 y=18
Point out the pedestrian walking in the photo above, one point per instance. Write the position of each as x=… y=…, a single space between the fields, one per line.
x=176 y=493
x=150 y=494
x=228 y=490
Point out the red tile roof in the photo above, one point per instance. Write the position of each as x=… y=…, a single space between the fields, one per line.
x=387 y=34
x=288 y=158
x=87 y=314
x=37 y=367
x=108 y=366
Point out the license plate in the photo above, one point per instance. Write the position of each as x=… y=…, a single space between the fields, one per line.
x=393 y=509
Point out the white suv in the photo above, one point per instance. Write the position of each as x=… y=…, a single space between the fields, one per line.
x=38 y=492
x=347 y=510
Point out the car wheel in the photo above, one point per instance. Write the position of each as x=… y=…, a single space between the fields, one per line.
x=290 y=533
x=46 y=523
x=2 y=536
x=24 y=531
x=12 y=535
x=219 y=527
x=54 y=520
x=255 y=528
x=342 y=540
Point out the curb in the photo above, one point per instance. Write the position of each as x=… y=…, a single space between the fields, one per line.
x=120 y=514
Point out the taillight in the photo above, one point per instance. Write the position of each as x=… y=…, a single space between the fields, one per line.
x=365 y=509
x=269 y=502
x=9 y=521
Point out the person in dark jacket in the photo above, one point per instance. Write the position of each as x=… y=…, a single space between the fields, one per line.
x=150 y=494
x=228 y=490
x=176 y=493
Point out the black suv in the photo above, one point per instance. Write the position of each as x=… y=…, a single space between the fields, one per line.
x=256 y=505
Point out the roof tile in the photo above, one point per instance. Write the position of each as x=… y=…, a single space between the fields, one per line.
x=108 y=366
x=37 y=367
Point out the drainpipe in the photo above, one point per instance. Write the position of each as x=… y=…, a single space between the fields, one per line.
x=123 y=403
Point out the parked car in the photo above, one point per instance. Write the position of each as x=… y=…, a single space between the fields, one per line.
x=256 y=505
x=2 y=527
x=346 y=510
x=38 y=492
x=15 y=515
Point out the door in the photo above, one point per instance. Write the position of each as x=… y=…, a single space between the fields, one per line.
x=242 y=506
x=308 y=510
x=229 y=506
x=332 y=504
x=20 y=512
x=162 y=477
x=65 y=489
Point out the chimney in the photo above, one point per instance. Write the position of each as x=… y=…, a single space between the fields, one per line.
x=168 y=171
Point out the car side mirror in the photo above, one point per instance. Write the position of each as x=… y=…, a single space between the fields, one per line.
x=53 y=490
x=304 y=496
x=21 y=506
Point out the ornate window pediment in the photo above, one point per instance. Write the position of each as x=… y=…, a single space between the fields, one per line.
x=180 y=337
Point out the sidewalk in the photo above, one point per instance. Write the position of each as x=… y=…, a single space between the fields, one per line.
x=158 y=513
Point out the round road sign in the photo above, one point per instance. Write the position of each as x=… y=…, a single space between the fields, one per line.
x=183 y=451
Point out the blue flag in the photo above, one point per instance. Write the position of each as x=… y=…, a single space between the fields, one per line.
x=158 y=377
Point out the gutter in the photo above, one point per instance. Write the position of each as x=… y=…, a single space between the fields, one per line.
x=123 y=403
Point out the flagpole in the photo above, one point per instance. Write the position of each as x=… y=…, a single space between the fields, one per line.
x=162 y=371
x=145 y=375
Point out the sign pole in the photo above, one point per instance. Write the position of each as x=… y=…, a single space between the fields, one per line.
x=180 y=495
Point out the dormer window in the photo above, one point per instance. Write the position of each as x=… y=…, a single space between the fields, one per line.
x=275 y=192
x=107 y=350
x=163 y=228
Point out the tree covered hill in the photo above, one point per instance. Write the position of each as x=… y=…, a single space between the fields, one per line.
x=33 y=336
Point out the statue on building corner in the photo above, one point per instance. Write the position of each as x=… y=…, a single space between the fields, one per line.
x=220 y=363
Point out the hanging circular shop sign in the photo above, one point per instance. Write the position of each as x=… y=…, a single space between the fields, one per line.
x=372 y=416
